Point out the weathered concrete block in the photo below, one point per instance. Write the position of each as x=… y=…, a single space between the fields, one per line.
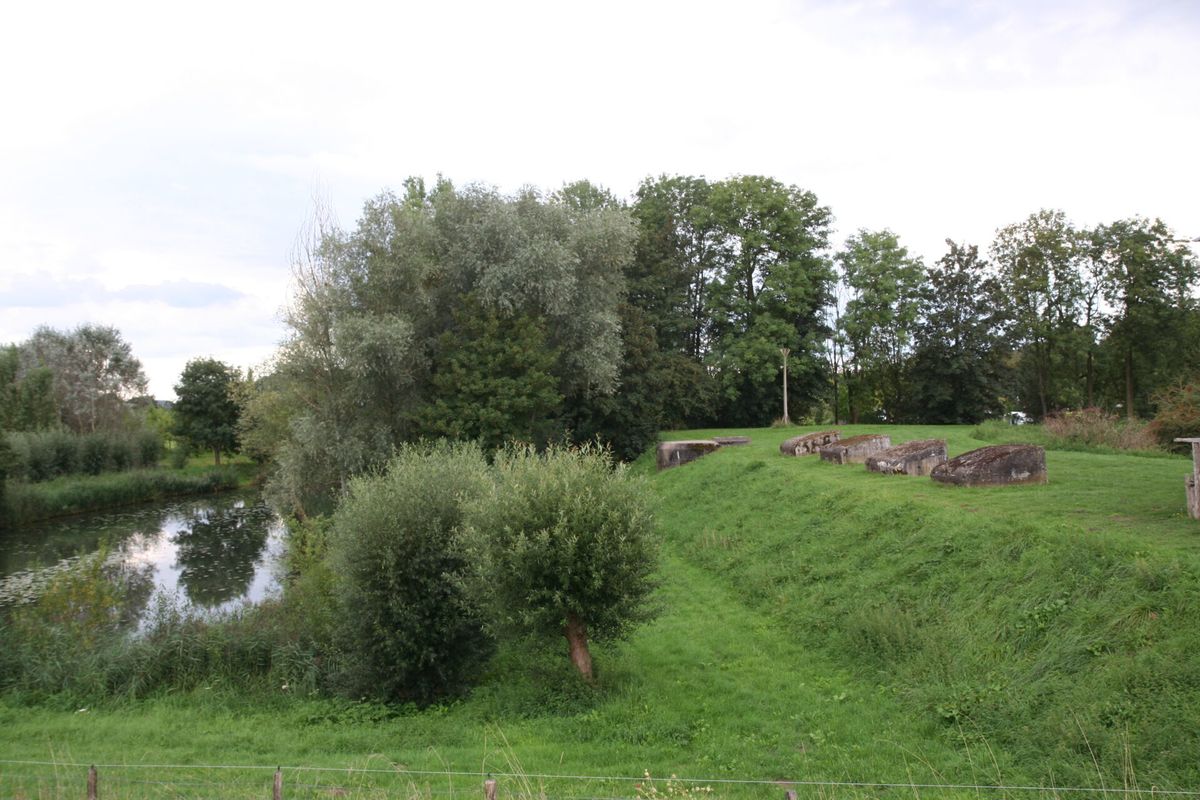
x=856 y=449
x=809 y=443
x=911 y=458
x=673 y=454
x=998 y=465
x=731 y=441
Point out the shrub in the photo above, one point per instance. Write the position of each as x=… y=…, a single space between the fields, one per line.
x=404 y=614
x=1095 y=427
x=1178 y=414
x=93 y=454
x=563 y=545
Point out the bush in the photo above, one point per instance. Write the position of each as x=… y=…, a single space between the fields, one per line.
x=93 y=454
x=45 y=455
x=1178 y=414
x=563 y=545
x=1095 y=427
x=404 y=614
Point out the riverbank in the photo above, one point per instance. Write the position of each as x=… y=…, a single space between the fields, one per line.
x=25 y=503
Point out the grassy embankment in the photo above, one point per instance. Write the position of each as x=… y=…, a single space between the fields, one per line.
x=76 y=494
x=818 y=623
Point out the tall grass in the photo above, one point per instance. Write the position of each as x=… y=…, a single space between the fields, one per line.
x=78 y=643
x=28 y=502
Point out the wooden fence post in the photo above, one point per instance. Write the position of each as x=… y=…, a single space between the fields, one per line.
x=93 y=784
x=790 y=794
x=277 y=789
x=489 y=789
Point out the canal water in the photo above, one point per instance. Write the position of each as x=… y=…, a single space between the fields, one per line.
x=214 y=553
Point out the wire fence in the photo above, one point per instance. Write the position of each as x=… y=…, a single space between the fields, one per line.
x=53 y=779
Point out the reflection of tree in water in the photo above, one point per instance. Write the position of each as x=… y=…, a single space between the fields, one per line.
x=137 y=581
x=217 y=550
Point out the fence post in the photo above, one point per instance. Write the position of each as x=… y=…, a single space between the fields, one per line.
x=277 y=789
x=489 y=789
x=790 y=794
x=93 y=784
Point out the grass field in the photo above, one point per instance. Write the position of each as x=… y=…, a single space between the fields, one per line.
x=817 y=623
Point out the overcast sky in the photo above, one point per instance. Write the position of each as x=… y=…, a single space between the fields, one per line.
x=157 y=161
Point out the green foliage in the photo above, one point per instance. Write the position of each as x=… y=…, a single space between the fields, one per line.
x=958 y=372
x=1044 y=270
x=628 y=420
x=91 y=372
x=43 y=456
x=492 y=381
x=562 y=534
x=1148 y=279
x=374 y=324
x=1178 y=415
x=879 y=321
x=264 y=417
x=404 y=618
x=206 y=413
x=771 y=285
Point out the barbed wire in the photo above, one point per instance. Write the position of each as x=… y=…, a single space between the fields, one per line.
x=779 y=782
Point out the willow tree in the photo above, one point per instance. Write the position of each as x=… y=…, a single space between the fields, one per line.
x=368 y=357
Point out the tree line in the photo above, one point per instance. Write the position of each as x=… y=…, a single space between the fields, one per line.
x=466 y=313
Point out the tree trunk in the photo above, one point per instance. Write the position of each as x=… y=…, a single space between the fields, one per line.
x=1129 y=382
x=216 y=456
x=1090 y=378
x=576 y=632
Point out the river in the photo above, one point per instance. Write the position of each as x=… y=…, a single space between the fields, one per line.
x=213 y=553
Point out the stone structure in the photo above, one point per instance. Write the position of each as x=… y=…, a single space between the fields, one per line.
x=731 y=441
x=809 y=443
x=998 y=465
x=1192 y=482
x=856 y=449
x=910 y=458
x=673 y=454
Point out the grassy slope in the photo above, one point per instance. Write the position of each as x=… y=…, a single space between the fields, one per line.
x=1057 y=622
x=817 y=622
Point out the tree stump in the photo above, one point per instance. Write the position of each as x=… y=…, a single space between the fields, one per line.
x=998 y=465
x=911 y=458
x=809 y=443
x=856 y=449
x=674 y=454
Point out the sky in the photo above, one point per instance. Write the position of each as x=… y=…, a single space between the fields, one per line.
x=158 y=161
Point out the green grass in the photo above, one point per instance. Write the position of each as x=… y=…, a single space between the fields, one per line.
x=817 y=623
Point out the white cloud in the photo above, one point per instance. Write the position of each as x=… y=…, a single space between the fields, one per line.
x=155 y=145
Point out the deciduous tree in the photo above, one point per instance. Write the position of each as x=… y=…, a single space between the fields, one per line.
x=206 y=412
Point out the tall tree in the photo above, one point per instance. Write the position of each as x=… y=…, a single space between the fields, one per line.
x=958 y=371
x=372 y=306
x=94 y=373
x=206 y=411
x=880 y=317
x=1148 y=279
x=770 y=289
x=1040 y=262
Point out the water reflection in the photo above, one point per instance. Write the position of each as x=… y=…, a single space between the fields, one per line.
x=214 y=553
